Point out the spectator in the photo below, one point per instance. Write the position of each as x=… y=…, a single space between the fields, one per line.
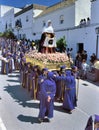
x=88 y=21
x=78 y=60
x=84 y=69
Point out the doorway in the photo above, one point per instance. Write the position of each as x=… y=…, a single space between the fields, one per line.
x=80 y=47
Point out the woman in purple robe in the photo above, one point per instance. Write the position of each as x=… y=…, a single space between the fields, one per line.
x=69 y=102
x=47 y=93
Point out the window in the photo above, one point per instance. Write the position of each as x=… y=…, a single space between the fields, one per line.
x=44 y=24
x=24 y=36
x=10 y=25
x=61 y=19
x=18 y=23
x=27 y=19
x=6 y=26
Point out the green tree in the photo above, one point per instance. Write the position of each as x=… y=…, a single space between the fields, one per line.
x=8 y=34
x=1 y=34
x=61 y=44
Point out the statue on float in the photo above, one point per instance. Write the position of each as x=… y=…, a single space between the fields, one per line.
x=48 y=40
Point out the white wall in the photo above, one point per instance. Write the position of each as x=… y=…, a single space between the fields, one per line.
x=85 y=35
x=4 y=9
x=95 y=12
x=69 y=20
x=9 y=18
x=26 y=25
x=82 y=10
x=1 y=25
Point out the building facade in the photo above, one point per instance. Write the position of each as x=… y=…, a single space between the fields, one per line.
x=26 y=17
x=66 y=17
x=7 y=20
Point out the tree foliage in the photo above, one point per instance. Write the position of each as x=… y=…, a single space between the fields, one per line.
x=1 y=34
x=8 y=34
x=61 y=44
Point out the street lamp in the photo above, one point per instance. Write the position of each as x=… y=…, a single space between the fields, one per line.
x=97 y=32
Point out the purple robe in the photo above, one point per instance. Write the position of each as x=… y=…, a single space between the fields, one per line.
x=41 y=79
x=69 y=101
x=48 y=88
x=90 y=122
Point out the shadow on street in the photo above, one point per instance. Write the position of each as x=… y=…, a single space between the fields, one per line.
x=30 y=119
x=11 y=80
x=61 y=109
x=30 y=105
x=92 y=82
x=18 y=93
x=17 y=75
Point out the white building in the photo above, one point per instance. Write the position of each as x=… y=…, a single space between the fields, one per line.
x=26 y=16
x=3 y=10
x=7 y=17
x=77 y=37
x=65 y=17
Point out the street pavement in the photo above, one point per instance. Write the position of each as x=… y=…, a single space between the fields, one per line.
x=18 y=111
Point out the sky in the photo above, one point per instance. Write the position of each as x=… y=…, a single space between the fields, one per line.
x=22 y=3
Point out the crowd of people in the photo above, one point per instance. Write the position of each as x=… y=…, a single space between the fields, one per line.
x=49 y=86
x=84 y=22
x=43 y=84
x=82 y=63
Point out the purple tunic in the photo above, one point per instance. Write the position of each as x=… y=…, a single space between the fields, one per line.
x=48 y=88
x=69 y=101
x=90 y=122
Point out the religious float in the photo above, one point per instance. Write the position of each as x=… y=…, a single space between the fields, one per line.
x=46 y=56
x=50 y=60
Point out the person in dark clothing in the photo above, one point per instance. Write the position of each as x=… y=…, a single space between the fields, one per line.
x=41 y=42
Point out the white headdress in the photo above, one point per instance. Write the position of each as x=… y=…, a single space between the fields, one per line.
x=48 y=28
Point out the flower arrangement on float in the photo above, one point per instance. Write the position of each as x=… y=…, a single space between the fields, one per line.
x=50 y=60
